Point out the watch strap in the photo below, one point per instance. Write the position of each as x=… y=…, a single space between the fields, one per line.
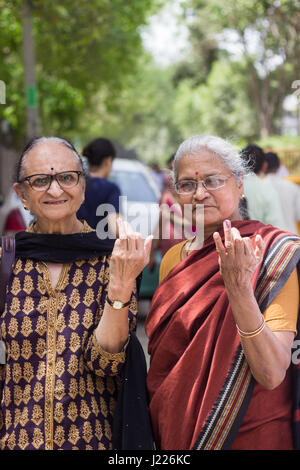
x=122 y=304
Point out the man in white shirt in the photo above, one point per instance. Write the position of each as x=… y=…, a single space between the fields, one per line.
x=262 y=199
x=288 y=191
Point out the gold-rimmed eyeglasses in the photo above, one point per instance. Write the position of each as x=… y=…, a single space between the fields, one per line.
x=210 y=184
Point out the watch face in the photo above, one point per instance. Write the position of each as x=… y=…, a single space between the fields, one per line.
x=118 y=304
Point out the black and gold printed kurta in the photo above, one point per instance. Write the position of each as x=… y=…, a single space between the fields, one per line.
x=58 y=387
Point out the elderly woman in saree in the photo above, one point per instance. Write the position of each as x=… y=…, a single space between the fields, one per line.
x=223 y=319
x=70 y=307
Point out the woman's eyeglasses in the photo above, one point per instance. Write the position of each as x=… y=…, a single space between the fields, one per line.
x=210 y=184
x=41 y=182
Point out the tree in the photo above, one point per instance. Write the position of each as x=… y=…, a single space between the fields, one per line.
x=220 y=106
x=267 y=33
x=142 y=116
x=80 y=47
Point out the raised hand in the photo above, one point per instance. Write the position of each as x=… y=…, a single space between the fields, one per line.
x=129 y=257
x=238 y=258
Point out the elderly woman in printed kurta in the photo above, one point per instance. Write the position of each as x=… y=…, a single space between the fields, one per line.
x=66 y=321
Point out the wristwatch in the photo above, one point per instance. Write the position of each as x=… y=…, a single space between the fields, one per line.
x=117 y=304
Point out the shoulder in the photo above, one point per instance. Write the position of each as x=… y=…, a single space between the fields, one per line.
x=170 y=260
x=113 y=186
x=104 y=185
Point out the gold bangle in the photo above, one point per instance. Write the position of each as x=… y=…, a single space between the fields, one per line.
x=251 y=334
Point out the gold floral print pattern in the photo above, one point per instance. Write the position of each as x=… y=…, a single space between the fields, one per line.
x=58 y=387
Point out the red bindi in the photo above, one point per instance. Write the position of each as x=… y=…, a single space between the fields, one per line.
x=196 y=173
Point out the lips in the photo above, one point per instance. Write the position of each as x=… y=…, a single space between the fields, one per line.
x=55 y=203
x=205 y=206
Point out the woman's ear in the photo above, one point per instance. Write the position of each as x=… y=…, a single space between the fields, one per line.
x=20 y=193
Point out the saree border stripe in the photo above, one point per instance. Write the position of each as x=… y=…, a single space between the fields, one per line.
x=236 y=405
x=232 y=408
x=273 y=269
x=231 y=405
x=224 y=405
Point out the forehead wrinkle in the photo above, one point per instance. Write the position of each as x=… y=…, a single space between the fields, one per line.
x=188 y=165
x=200 y=177
x=50 y=164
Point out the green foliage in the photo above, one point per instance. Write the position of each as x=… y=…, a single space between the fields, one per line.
x=142 y=115
x=95 y=79
x=267 y=33
x=280 y=142
x=218 y=107
x=81 y=48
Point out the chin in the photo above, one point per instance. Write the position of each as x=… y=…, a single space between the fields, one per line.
x=57 y=216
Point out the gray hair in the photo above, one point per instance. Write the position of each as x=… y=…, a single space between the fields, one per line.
x=41 y=140
x=220 y=147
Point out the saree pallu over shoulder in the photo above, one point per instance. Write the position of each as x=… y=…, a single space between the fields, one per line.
x=199 y=376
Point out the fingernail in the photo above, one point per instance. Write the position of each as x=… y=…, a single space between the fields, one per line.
x=227 y=223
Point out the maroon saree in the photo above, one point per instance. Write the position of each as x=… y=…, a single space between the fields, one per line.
x=199 y=382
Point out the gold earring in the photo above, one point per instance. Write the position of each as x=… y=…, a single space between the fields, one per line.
x=26 y=208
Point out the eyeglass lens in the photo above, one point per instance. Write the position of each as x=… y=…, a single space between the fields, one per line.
x=65 y=180
x=209 y=183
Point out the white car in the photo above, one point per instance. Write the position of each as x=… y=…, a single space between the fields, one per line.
x=13 y=217
x=140 y=194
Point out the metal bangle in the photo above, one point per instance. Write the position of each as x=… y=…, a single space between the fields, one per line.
x=251 y=334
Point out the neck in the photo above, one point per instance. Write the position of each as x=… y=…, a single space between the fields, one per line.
x=58 y=227
x=98 y=173
x=209 y=230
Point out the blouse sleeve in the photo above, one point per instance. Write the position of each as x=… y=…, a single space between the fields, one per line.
x=282 y=313
x=102 y=362
x=170 y=260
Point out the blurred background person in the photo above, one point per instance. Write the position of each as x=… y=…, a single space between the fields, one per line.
x=158 y=175
x=288 y=192
x=170 y=162
x=172 y=226
x=100 y=153
x=263 y=202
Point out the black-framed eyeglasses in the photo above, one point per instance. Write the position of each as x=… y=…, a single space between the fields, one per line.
x=210 y=183
x=42 y=182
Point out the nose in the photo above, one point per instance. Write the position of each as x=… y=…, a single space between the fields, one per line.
x=55 y=190
x=201 y=192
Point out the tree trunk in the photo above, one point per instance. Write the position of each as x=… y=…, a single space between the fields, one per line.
x=32 y=112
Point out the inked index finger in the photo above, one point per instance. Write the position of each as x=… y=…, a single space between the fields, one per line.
x=228 y=240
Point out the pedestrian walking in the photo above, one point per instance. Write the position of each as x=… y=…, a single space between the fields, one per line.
x=263 y=202
x=100 y=154
x=288 y=192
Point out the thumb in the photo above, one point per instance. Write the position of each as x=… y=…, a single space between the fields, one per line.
x=147 y=246
x=260 y=246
